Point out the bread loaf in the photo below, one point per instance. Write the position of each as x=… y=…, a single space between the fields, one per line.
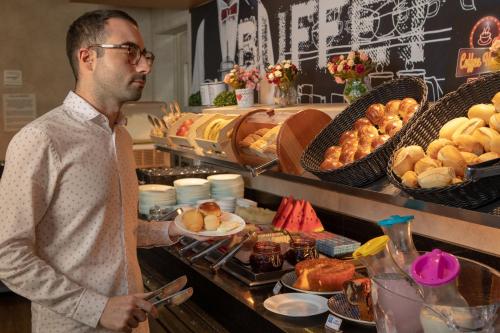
x=392 y=107
x=375 y=113
x=483 y=111
x=410 y=179
x=469 y=158
x=468 y=127
x=406 y=158
x=494 y=122
x=330 y=164
x=469 y=144
x=426 y=163
x=484 y=135
x=380 y=140
x=436 y=145
x=495 y=144
x=347 y=135
x=450 y=157
x=333 y=152
x=496 y=101
x=487 y=157
x=451 y=126
x=361 y=122
x=407 y=105
x=437 y=177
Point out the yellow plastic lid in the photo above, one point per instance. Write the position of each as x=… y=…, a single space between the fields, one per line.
x=372 y=247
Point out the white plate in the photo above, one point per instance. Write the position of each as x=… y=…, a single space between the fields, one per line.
x=225 y=217
x=289 y=279
x=190 y=182
x=155 y=188
x=339 y=306
x=225 y=177
x=296 y=304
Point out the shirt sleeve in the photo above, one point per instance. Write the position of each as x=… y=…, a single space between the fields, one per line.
x=150 y=234
x=27 y=187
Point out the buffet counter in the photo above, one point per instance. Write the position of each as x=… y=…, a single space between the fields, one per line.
x=230 y=302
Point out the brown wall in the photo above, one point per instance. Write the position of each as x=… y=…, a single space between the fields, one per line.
x=33 y=40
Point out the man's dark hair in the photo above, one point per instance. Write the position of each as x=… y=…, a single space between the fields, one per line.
x=89 y=29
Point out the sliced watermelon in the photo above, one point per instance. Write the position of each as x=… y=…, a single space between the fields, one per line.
x=293 y=221
x=283 y=203
x=280 y=220
x=310 y=221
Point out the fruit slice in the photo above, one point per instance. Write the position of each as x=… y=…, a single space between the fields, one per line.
x=280 y=220
x=293 y=221
x=283 y=204
x=310 y=221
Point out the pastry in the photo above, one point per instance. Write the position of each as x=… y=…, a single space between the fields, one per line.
x=323 y=274
x=496 y=101
x=387 y=119
x=393 y=127
x=406 y=158
x=193 y=220
x=248 y=140
x=451 y=126
x=375 y=113
x=348 y=153
x=495 y=144
x=487 y=157
x=406 y=106
x=358 y=292
x=484 y=135
x=437 y=177
x=410 y=111
x=358 y=124
x=270 y=149
x=271 y=135
x=483 y=111
x=368 y=131
x=426 y=163
x=392 y=107
x=410 y=179
x=450 y=157
x=333 y=152
x=468 y=127
x=469 y=144
x=380 y=140
x=362 y=151
x=435 y=146
x=262 y=131
x=494 y=122
x=347 y=135
x=457 y=180
x=330 y=164
x=469 y=158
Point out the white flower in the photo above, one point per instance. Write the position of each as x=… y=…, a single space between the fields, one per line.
x=278 y=66
x=341 y=57
x=270 y=67
x=340 y=68
x=278 y=74
x=270 y=76
x=287 y=65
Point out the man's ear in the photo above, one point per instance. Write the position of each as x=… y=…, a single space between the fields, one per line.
x=86 y=59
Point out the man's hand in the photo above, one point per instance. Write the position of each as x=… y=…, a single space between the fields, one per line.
x=124 y=313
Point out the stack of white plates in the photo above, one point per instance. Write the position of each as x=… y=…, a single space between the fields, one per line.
x=227 y=204
x=152 y=195
x=190 y=190
x=226 y=185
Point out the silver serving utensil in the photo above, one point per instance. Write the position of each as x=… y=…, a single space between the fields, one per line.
x=177 y=298
x=483 y=170
x=215 y=267
x=189 y=246
x=167 y=290
x=255 y=171
x=207 y=250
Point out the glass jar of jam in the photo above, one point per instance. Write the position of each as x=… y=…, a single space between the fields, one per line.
x=301 y=248
x=266 y=257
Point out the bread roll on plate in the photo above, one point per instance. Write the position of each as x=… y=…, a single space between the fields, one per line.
x=437 y=177
x=483 y=111
x=450 y=157
x=193 y=220
x=451 y=126
x=210 y=208
x=435 y=146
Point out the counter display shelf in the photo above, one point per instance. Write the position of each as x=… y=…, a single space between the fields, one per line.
x=477 y=229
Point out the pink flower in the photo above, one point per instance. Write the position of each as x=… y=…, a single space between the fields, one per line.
x=339 y=80
x=360 y=68
x=363 y=56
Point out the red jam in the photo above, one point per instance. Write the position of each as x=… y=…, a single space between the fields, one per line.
x=266 y=257
x=301 y=248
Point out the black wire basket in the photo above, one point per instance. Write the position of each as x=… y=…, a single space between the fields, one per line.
x=468 y=194
x=372 y=166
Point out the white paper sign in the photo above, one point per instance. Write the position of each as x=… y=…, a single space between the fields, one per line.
x=12 y=77
x=18 y=110
x=333 y=322
x=277 y=288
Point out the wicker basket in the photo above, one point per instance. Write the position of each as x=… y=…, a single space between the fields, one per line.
x=372 y=166
x=469 y=194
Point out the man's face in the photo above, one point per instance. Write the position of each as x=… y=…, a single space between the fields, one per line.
x=115 y=77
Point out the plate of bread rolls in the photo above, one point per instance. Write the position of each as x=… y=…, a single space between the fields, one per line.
x=460 y=131
x=209 y=220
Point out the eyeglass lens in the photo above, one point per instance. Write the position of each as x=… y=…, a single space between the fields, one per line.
x=135 y=54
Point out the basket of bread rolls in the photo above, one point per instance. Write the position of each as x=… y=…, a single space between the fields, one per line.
x=462 y=129
x=354 y=148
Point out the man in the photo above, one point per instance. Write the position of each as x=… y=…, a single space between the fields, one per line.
x=68 y=195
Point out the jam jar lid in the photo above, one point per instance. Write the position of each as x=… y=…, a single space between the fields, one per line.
x=266 y=247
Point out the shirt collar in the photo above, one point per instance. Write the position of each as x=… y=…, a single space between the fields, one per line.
x=86 y=112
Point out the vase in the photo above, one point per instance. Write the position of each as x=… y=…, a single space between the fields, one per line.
x=244 y=97
x=354 y=89
x=285 y=95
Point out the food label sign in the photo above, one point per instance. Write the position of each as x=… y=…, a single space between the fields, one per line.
x=473 y=61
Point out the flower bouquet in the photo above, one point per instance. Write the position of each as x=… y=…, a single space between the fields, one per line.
x=284 y=76
x=244 y=82
x=351 y=70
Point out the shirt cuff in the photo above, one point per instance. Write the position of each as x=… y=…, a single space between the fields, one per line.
x=90 y=308
x=174 y=240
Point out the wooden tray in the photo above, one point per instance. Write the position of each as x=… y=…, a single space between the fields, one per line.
x=222 y=147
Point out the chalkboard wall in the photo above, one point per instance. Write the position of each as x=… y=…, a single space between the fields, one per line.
x=404 y=37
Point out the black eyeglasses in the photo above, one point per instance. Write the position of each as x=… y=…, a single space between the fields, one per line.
x=134 y=52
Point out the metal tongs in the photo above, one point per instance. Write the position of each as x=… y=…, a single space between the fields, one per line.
x=483 y=170
x=171 y=293
x=249 y=236
x=255 y=171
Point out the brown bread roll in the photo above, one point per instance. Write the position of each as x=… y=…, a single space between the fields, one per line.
x=392 y=107
x=368 y=131
x=495 y=144
x=348 y=153
x=469 y=144
x=426 y=163
x=494 y=122
x=468 y=127
x=193 y=220
x=436 y=145
x=487 y=157
x=437 y=177
x=387 y=119
x=211 y=222
x=405 y=159
x=484 y=135
x=469 y=158
x=409 y=113
x=347 y=135
x=483 y=111
x=375 y=113
x=380 y=140
x=410 y=179
x=406 y=106
x=333 y=152
x=451 y=126
x=393 y=127
x=362 y=151
x=450 y=157
x=330 y=164
x=496 y=101
x=210 y=208
x=361 y=122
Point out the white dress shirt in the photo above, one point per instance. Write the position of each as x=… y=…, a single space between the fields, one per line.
x=69 y=230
